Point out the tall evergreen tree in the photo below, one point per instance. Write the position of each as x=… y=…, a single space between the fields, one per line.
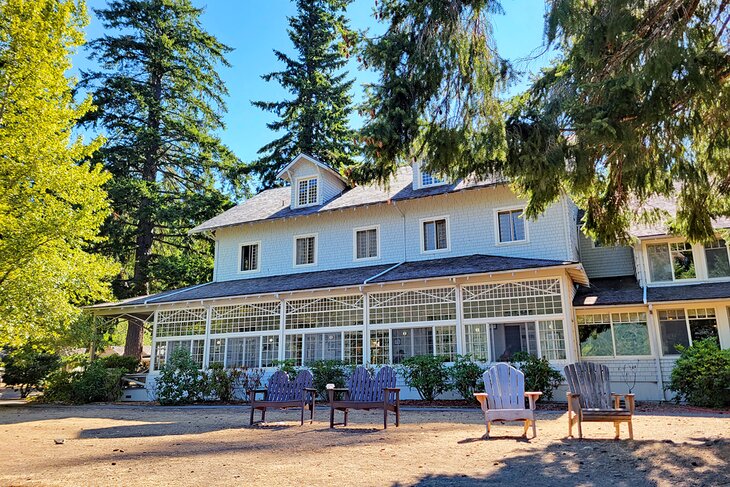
x=161 y=103
x=315 y=121
x=52 y=201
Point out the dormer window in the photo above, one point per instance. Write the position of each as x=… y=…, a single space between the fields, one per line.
x=428 y=179
x=307 y=191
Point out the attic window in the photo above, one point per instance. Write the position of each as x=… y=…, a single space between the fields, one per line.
x=307 y=192
x=428 y=179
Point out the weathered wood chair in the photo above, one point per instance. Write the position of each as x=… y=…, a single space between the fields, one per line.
x=282 y=393
x=590 y=398
x=504 y=397
x=367 y=392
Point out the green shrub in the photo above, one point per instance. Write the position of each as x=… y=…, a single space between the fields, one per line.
x=539 y=374
x=427 y=374
x=128 y=364
x=701 y=375
x=328 y=372
x=180 y=381
x=466 y=375
x=93 y=383
x=27 y=367
x=286 y=366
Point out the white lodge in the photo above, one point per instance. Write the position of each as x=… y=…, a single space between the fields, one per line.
x=318 y=270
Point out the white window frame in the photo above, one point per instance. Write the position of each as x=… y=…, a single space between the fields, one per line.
x=298 y=181
x=258 y=257
x=294 y=249
x=697 y=256
x=436 y=181
x=448 y=234
x=614 y=357
x=355 y=258
x=707 y=267
x=497 y=240
x=687 y=319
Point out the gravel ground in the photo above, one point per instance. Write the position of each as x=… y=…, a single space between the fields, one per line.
x=152 y=445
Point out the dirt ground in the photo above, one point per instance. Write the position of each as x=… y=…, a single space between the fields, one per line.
x=149 y=445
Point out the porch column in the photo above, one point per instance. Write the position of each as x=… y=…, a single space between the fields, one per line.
x=722 y=311
x=153 y=352
x=656 y=346
x=282 y=327
x=366 y=328
x=206 y=343
x=460 y=345
x=571 y=341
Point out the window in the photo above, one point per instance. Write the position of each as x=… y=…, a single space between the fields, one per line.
x=612 y=335
x=476 y=342
x=680 y=328
x=243 y=318
x=165 y=349
x=671 y=261
x=401 y=343
x=366 y=243
x=435 y=235
x=509 y=338
x=257 y=351
x=324 y=312
x=307 y=192
x=427 y=179
x=306 y=348
x=511 y=226
x=305 y=250
x=249 y=257
x=499 y=342
x=524 y=298
x=716 y=255
x=438 y=304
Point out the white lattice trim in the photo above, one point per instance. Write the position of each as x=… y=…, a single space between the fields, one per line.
x=423 y=305
x=324 y=312
x=521 y=298
x=245 y=317
x=181 y=322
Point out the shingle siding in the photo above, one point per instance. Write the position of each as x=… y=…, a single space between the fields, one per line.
x=471 y=227
x=606 y=261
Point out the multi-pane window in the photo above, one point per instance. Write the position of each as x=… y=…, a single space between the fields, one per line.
x=476 y=342
x=165 y=349
x=671 y=261
x=511 y=226
x=306 y=348
x=249 y=257
x=181 y=322
x=613 y=335
x=380 y=347
x=428 y=179
x=424 y=305
x=499 y=342
x=324 y=312
x=552 y=339
x=716 y=255
x=402 y=343
x=409 y=342
x=245 y=317
x=678 y=327
x=507 y=339
x=435 y=235
x=366 y=243
x=306 y=250
x=257 y=351
x=523 y=298
x=307 y=192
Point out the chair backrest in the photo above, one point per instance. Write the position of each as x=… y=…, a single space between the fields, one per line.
x=591 y=381
x=281 y=389
x=505 y=387
x=363 y=387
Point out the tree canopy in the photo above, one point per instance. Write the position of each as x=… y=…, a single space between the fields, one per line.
x=315 y=120
x=51 y=198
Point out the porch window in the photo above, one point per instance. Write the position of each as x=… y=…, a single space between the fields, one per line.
x=499 y=342
x=435 y=235
x=324 y=312
x=306 y=348
x=509 y=338
x=511 y=226
x=306 y=250
x=165 y=349
x=613 y=335
x=380 y=347
x=671 y=261
x=245 y=317
x=716 y=255
x=476 y=341
x=410 y=342
x=256 y=351
x=678 y=327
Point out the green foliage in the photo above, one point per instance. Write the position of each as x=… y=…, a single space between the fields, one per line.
x=180 y=381
x=539 y=374
x=286 y=366
x=436 y=96
x=329 y=372
x=701 y=375
x=27 y=367
x=427 y=374
x=315 y=121
x=93 y=383
x=221 y=382
x=637 y=102
x=465 y=375
x=126 y=363
x=52 y=202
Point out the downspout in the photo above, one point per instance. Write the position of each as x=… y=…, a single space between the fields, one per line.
x=657 y=361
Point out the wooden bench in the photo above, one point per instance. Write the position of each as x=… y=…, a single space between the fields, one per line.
x=282 y=393
x=590 y=398
x=367 y=392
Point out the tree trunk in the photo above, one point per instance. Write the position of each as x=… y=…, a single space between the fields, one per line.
x=135 y=336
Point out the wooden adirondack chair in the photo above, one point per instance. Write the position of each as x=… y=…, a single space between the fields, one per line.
x=590 y=398
x=504 y=399
x=281 y=393
x=367 y=392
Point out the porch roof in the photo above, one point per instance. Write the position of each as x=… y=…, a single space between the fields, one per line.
x=354 y=276
x=625 y=290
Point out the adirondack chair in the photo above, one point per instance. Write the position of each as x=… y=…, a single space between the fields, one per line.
x=367 y=392
x=281 y=393
x=590 y=398
x=504 y=397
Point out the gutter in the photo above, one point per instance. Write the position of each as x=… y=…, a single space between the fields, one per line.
x=381 y=273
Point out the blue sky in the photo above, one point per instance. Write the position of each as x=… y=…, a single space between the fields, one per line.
x=254 y=28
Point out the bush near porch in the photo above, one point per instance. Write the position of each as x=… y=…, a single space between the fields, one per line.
x=701 y=376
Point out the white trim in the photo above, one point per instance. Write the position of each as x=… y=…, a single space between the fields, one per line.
x=299 y=180
x=318 y=163
x=258 y=257
x=684 y=307
x=294 y=249
x=448 y=234
x=497 y=240
x=355 y=258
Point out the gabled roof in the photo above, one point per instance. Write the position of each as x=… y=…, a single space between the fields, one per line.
x=275 y=203
x=338 y=278
x=610 y=291
x=667 y=206
x=312 y=160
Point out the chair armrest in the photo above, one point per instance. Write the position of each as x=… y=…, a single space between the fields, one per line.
x=630 y=400
x=392 y=389
x=252 y=394
x=573 y=402
x=534 y=394
x=482 y=398
x=533 y=397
